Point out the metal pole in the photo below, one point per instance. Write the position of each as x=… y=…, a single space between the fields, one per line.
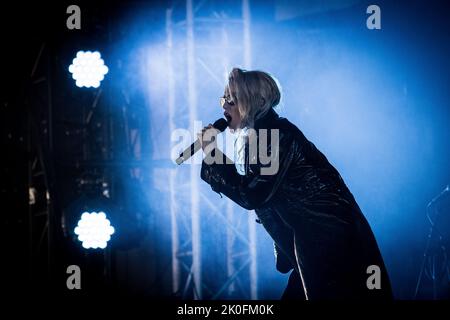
x=251 y=218
x=172 y=172
x=51 y=198
x=192 y=103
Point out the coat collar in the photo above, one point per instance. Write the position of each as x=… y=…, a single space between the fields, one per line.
x=267 y=120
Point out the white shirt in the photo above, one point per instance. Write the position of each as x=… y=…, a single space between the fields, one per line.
x=239 y=150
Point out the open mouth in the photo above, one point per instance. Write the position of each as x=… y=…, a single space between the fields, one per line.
x=227 y=116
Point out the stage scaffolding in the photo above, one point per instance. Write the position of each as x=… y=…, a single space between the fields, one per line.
x=190 y=198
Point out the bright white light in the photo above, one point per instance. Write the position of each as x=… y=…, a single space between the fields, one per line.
x=94 y=230
x=88 y=69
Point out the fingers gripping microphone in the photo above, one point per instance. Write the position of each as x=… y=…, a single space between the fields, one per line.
x=220 y=124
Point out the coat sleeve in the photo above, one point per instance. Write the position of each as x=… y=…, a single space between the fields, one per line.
x=254 y=189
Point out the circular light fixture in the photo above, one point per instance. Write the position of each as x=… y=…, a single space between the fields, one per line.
x=88 y=69
x=94 y=230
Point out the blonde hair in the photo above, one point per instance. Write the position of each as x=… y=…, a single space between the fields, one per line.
x=254 y=92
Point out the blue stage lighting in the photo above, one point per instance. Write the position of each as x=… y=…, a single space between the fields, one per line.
x=88 y=69
x=94 y=230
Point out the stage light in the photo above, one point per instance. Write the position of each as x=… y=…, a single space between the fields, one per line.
x=88 y=69
x=94 y=230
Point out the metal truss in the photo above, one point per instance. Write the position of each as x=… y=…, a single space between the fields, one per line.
x=193 y=211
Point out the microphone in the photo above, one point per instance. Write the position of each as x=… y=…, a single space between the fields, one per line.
x=220 y=124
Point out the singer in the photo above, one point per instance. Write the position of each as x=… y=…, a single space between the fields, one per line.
x=318 y=229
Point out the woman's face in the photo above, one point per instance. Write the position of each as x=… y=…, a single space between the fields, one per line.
x=231 y=111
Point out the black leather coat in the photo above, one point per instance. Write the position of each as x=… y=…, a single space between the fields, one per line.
x=317 y=226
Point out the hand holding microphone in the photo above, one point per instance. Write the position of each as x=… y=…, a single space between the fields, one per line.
x=207 y=136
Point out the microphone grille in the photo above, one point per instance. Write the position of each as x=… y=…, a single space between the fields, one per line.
x=220 y=124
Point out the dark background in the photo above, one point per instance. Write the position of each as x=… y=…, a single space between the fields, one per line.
x=389 y=136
